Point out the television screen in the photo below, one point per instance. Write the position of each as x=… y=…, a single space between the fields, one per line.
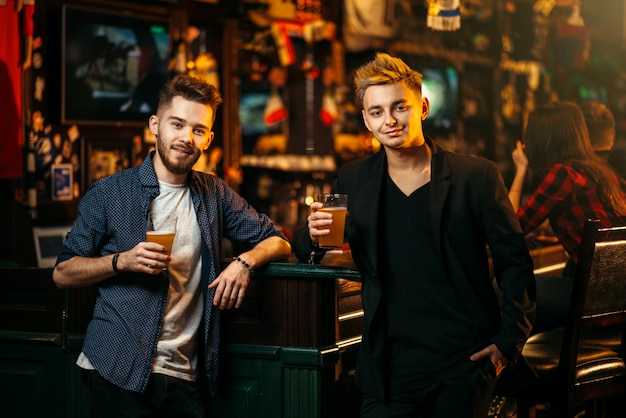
x=441 y=86
x=114 y=66
x=251 y=113
x=49 y=243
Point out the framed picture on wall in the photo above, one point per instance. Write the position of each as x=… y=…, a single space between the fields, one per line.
x=114 y=64
x=106 y=157
x=62 y=181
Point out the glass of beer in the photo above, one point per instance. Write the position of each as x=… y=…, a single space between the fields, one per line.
x=337 y=205
x=161 y=229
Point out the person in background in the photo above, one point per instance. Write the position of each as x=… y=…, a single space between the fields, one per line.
x=152 y=346
x=576 y=185
x=435 y=338
x=601 y=125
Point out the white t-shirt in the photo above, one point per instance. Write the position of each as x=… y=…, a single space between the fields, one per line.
x=176 y=353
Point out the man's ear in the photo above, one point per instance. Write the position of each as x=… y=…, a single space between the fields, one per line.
x=425 y=107
x=209 y=141
x=153 y=124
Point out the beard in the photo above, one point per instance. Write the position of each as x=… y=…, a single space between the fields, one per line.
x=175 y=164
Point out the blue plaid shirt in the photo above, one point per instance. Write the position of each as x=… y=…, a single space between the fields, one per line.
x=121 y=338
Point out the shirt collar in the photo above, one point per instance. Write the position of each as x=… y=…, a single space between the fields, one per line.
x=147 y=175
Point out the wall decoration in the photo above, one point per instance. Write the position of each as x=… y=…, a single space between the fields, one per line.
x=106 y=157
x=62 y=181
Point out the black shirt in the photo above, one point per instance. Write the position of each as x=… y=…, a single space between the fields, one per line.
x=428 y=326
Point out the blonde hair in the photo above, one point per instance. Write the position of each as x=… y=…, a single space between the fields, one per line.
x=385 y=69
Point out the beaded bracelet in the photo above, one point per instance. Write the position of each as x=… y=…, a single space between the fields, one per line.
x=245 y=264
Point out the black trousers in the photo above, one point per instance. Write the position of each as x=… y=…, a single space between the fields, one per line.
x=461 y=397
x=164 y=396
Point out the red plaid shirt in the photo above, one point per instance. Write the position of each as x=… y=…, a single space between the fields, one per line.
x=566 y=197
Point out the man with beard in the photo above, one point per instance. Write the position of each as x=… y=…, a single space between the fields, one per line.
x=151 y=348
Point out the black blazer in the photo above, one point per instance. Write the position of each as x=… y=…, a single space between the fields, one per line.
x=470 y=210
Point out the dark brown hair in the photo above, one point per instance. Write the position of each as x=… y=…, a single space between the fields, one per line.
x=601 y=125
x=189 y=88
x=557 y=133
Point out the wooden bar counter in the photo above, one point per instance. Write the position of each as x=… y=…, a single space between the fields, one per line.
x=284 y=349
x=292 y=345
x=289 y=351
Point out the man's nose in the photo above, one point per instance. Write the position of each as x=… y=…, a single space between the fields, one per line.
x=188 y=138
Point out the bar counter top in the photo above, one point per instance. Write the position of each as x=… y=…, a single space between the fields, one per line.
x=547 y=257
x=335 y=264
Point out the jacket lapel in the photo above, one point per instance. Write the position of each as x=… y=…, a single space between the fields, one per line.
x=370 y=187
x=440 y=172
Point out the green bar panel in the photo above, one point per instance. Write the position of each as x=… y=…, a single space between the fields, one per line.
x=309 y=357
x=32 y=379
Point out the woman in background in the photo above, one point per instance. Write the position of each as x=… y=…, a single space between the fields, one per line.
x=576 y=185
